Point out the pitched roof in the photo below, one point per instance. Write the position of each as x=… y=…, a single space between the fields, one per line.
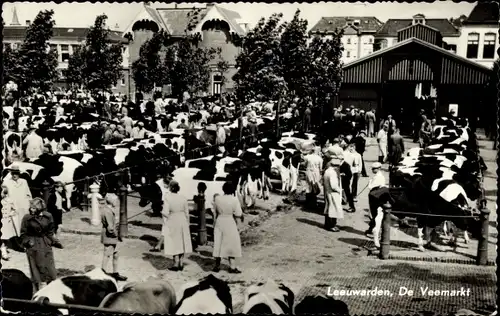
x=421 y=42
x=484 y=13
x=329 y=24
x=176 y=20
x=76 y=33
x=392 y=26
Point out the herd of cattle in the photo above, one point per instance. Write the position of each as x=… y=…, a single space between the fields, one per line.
x=208 y=295
x=73 y=162
x=441 y=183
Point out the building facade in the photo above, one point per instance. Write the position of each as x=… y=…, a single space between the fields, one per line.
x=478 y=40
x=216 y=26
x=65 y=42
x=358 y=37
x=387 y=35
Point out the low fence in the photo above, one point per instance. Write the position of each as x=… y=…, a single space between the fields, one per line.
x=482 y=249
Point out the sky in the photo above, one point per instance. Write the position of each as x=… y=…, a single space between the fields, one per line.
x=83 y=14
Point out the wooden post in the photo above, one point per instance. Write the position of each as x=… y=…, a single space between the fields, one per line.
x=123 y=226
x=96 y=215
x=385 y=243
x=46 y=192
x=239 y=111
x=482 y=246
x=277 y=118
x=86 y=191
x=202 y=220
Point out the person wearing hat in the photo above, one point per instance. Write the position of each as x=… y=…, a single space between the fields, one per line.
x=370 y=119
x=377 y=182
x=332 y=189
x=19 y=192
x=109 y=237
x=139 y=132
x=37 y=237
x=175 y=229
x=34 y=144
x=360 y=146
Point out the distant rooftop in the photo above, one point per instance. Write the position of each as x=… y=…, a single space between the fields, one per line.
x=59 y=33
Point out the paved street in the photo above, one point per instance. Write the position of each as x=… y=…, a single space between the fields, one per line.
x=292 y=247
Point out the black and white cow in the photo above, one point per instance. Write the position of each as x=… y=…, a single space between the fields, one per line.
x=150 y=297
x=87 y=289
x=268 y=298
x=209 y=295
x=16 y=285
x=12 y=148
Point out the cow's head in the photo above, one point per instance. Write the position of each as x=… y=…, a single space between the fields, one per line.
x=209 y=295
x=268 y=298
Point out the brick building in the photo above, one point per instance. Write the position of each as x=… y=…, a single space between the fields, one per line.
x=216 y=25
x=65 y=41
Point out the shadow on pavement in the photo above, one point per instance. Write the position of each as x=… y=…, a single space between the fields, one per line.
x=151 y=240
x=149 y=226
x=85 y=220
x=206 y=263
x=159 y=262
x=310 y=222
x=351 y=230
x=64 y=272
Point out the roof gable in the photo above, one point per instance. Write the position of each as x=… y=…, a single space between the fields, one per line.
x=419 y=42
x=392 y=26
x=146 y=13
x=218 y=13
x=350 y=30
x=329 y=24
x=484 y=13
x=176 y=20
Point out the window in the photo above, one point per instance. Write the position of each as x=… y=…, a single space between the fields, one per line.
x=452 y=48
x=64 y=52
x=370 y=40
x=472 y=45
x=489 y=46
x=122 y=81
x=348 y=54
x=348 y=41
x=53 y=47
x=394 y=41
x=217 y=84
x=383 y=43
x=75 y=48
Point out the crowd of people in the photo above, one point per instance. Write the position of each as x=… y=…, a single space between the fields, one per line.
x=334 y=168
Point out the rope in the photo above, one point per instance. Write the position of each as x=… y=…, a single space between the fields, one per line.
x=436 y=215
x=163 y=159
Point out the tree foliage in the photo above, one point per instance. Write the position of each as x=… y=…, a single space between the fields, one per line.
x=259 y=66
x=101 y=59
x=9 y=62
x=75 y=72
x=188 y=66
x=35 y=66
x=277 y=58
x=149 y=70
x=295 y=55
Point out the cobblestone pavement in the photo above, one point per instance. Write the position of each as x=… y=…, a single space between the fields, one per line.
x=291 y=247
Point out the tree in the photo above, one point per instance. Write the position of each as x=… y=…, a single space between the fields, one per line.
x=325 y=71
x=36 y=65
x=75 y=73
x=102 y=60
x=295 y=56
x=458 y=22
x=9 y=62
x=188 y=66
x=259 y=66
x=149 y=70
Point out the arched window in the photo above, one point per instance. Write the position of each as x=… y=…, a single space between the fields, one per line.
x=489 y=45
x=472 y=45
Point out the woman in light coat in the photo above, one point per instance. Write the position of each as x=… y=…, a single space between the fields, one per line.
x=333 y=195
x=175 y=230
x=314 y=165
x=9 y=221
x=382 y=143
x=227 y=242
x=19 y=193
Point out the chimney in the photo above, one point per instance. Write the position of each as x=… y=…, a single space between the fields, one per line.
x=210 y=5
x=117 y=27
x=28 y=22
x=15 y=19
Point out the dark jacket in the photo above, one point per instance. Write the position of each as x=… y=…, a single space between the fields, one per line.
x=345 y=173
x=109 y=235
x=54 y=211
